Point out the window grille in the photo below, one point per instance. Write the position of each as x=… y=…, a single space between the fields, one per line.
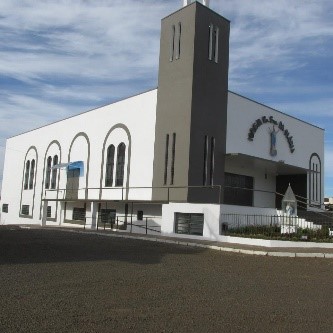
x=5 y=208
x=49 y=211
x=188 y=223
x=25 y=209
x=79 y=214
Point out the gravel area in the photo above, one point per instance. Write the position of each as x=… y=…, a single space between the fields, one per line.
x=54 y=281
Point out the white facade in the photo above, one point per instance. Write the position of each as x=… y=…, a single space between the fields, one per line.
x=82 y=138
x=132 y=121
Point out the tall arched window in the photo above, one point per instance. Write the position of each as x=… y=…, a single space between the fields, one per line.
x=120 y=164
x=315 y=179
x=26 y=175
x=48 y=172
x=54 y=173
x=109 y=166
x=32 y=173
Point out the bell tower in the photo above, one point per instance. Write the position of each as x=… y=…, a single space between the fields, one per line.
x=191 y=112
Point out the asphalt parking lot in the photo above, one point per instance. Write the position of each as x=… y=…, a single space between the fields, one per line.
x=56 y=281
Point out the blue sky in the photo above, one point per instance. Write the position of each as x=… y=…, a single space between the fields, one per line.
x=59 y=58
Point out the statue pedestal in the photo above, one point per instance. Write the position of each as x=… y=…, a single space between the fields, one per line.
x=288 y=229
x=288 y=224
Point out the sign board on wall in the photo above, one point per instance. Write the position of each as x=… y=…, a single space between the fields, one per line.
x=277 y=127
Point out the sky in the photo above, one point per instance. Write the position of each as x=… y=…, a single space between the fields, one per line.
x=62 y=57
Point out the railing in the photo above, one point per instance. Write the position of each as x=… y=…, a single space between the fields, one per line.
x=164 y=194
x=274 y=227
x=199 y=194
x=130 y=223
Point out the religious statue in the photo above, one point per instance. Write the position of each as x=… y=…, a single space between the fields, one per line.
x=273 y=133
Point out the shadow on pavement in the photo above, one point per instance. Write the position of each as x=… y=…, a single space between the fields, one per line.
x=25 y=246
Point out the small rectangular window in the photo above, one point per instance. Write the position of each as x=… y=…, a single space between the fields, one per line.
x=187 y=223
x=79 y=214
x=25 y=209
x=107 y=215
x=49 y=211
x=139 y=215
x=5 y=208
x=166 y=157
x=173 y=158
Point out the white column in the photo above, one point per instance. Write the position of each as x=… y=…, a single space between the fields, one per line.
x=44 y=213
x=93 y=213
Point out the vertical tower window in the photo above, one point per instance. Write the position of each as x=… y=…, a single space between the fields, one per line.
x=109 y=166
x=120 y=164
x=173 y=158
x=212 y=153
x=178 y=40
x=210 y=44
x=26 y=175
x=175 y=41
x=213 y=44
x=48 y=172
x=166 y=158
x=172 y=42
x=216 y=48
x=54 y=173
x=205 y=167
x=32 y=173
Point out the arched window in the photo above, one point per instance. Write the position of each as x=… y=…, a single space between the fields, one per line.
x=54 y=173
x=315 y=179
x=109 y=166
x=48 y=172
x=120 y=164
x=32 y=173
x=26 y=175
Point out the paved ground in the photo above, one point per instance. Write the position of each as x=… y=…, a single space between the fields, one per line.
x=53 y=281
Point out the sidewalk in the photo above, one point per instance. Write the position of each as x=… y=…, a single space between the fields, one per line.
x=292 y=252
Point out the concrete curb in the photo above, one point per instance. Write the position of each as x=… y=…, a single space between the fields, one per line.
x=210 y=247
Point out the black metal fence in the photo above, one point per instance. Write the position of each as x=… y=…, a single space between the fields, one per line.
x=129 y=223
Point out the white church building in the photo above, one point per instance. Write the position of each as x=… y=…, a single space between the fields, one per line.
x=180 y=155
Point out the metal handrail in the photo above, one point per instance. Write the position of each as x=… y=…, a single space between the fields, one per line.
x=168 y=188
